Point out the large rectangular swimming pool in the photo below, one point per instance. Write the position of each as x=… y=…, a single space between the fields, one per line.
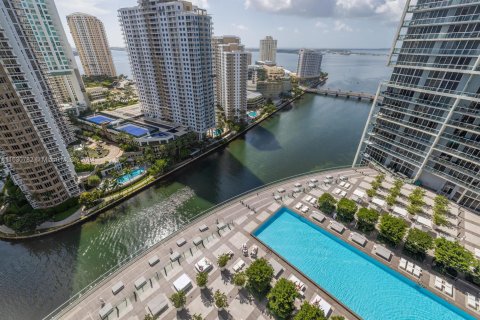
x=369 y=288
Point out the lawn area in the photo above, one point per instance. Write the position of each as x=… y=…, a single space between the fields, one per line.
x=65 y=214
x=97 y=153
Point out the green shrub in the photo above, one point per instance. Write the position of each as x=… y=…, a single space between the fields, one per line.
x=371 y=192
x=440 y=209
x=239 y=279
x=220 y=299
x=202 y=279
x=346 y=209
x=281 y=298
x=179 y=299
x=259 y=274
x=223 y=260
x=416 y=201
x=309 y=312
x=326 y=203
x=392 y=229
x=418 y=241
x=452 y=255
x=367 y=219
x=93 y=180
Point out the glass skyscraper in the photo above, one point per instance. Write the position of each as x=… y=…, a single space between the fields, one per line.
x=425 y=122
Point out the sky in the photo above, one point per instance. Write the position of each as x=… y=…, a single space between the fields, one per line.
x=294 y=23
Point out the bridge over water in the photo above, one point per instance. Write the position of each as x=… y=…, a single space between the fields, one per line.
x=341 y=93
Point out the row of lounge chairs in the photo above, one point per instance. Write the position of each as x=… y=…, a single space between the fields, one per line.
x=444 y=286
x=311 y=200
x=345 y=185
x=410 y=267
x=339 y=192
x=301 y=207
x=299 y=285
x=473 y=302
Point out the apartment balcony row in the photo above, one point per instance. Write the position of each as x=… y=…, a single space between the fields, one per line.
x=463 y=125
x=437 y=52
x=441 y=20
x=472 y=185
x=413 y=113
x=434 y=90
x=466 y=141
x=453 y=166
x=470 y=69
x=436 y=4
x=417 y=101
x=380 y=126
x=441 y=147
x=468 y=111
x=459 y=36
x=408 y=124
x=393 y=153
x=377 y=136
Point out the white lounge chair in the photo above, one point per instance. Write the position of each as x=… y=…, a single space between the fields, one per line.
x=410 y=267
x=337 y=191
x=342 y=184
x=308 y=198
x=448 y=289
x=204 y=265
x=417 y=271
x=347 y=185
x=298 y=206
x=239 y=265
x=313 y=200
x=343 y=193
x=403 y=263
x=438 y=283
x=471 y=301
x=304 y=209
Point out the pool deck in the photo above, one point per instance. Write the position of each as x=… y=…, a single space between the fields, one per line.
x=241 y=217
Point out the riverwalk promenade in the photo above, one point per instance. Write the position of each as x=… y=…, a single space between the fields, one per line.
x=143 y=284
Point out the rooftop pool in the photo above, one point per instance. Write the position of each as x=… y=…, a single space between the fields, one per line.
x=130 y=176
x=366 y=286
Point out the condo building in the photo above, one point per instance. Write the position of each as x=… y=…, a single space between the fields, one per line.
x=425 y=121
x=231 y=70
x=309 y=64
x=268 y=49
x=31 y=136
x=91 y=42
x=169 y=45
x=62 y=71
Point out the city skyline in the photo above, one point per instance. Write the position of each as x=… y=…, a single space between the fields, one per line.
x=339 y=24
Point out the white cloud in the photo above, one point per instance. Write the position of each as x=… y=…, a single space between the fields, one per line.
x=320 y=24
x=240 y=26
x=341 y=26
x=86 y=6
x=280 y=28
x=201 y=3
x=384 y=9
x=296 y=30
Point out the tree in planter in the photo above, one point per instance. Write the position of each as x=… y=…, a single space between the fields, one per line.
x=367 y=219
x=197 y=317
x=148 y=317
x=259 y=274
x=239 y=279
x=223 y=260
x=452 y=255
x=179 y=299
x=281 y=298
x=418 y=241
x=440 y=209
x=392 y=229
x=346 y=209
x=93 y=180
x=371 y=192
x=416 y=201
x=309 y=312
x=220 y=299
x=326 y=203
x=202 y=279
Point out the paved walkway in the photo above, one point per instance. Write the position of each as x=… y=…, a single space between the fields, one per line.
x=131 y=302
x=114 y=153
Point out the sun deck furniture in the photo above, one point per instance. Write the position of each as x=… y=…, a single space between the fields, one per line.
x=296 y=190
x=329 y=177
x=280 y=190
x=403 y=264
x=254 y=251
x=358 y=238
x=417 y=271
x=203 y=228
x=105 y=311
x=174 y=256
x=472 y=301
x=448 y=287
x=239 y=265
x=424 y=221
x=277 y=197
x=153 y=261
x=221 y=226
x=308 y=198
x=305 y=209
x=117 y=287
x=203 y=265
x=347 y=185
x=313 y=200
x=322 y=305
x=378 y=202
x=181 y=242
x=359 y=193
x=383 y=252
x=342 y=184
x=410 y=267
x=197 y=241
x=183 y=283
x=140 y=282
x=400 y=211
x=277 y=268
x=298 y=184
x=158 y=305
x=336 y=226
x=438 y=283
x=312 y=185
x=318 y=216
x=298 y=206
x=326 y=181
x=337 y=191
x=298 y=284
x=314 y=180
x=343 y=193
x=343 y=178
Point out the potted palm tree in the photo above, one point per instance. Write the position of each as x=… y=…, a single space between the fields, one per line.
x=202 y=279
x=221 y=301
x=179 y=300
x=222 y=261
x=239 y=279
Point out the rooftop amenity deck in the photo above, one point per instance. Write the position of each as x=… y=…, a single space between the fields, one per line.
x=140 y=286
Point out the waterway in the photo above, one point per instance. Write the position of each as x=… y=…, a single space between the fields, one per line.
x=315 y=132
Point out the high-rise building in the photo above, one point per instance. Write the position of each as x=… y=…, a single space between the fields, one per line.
x=268 y=49
x=63 y=75
x=170 y=52
x=31 y=137
x=249 y=58
x=425 y=121
x=309 y=64
x=91 y=42
x=231 y=70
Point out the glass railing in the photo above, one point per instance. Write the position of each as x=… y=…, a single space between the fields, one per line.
x=428 y=103
x=440 y=4
x=434 y=90
x=408 y=124
x=432 y=65
x=404 y=134
x=393 y=153
x=443 y=35
x=463 y=140
x=431 y=51
x=454 y=166
x=454 y=152
x=399 y=144
x=413 y=113
x=461 y=182
x=442 y=20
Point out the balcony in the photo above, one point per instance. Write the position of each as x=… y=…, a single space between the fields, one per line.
x=433 y=90
x=440 y=4
x=471 y=35
x=442 y=20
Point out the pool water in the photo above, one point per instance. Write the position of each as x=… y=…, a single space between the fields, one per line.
x=369 y=288
x=130 y=176
x=252 y=114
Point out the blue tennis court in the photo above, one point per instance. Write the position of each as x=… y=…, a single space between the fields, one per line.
x=134 y=130
x=99 y=119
